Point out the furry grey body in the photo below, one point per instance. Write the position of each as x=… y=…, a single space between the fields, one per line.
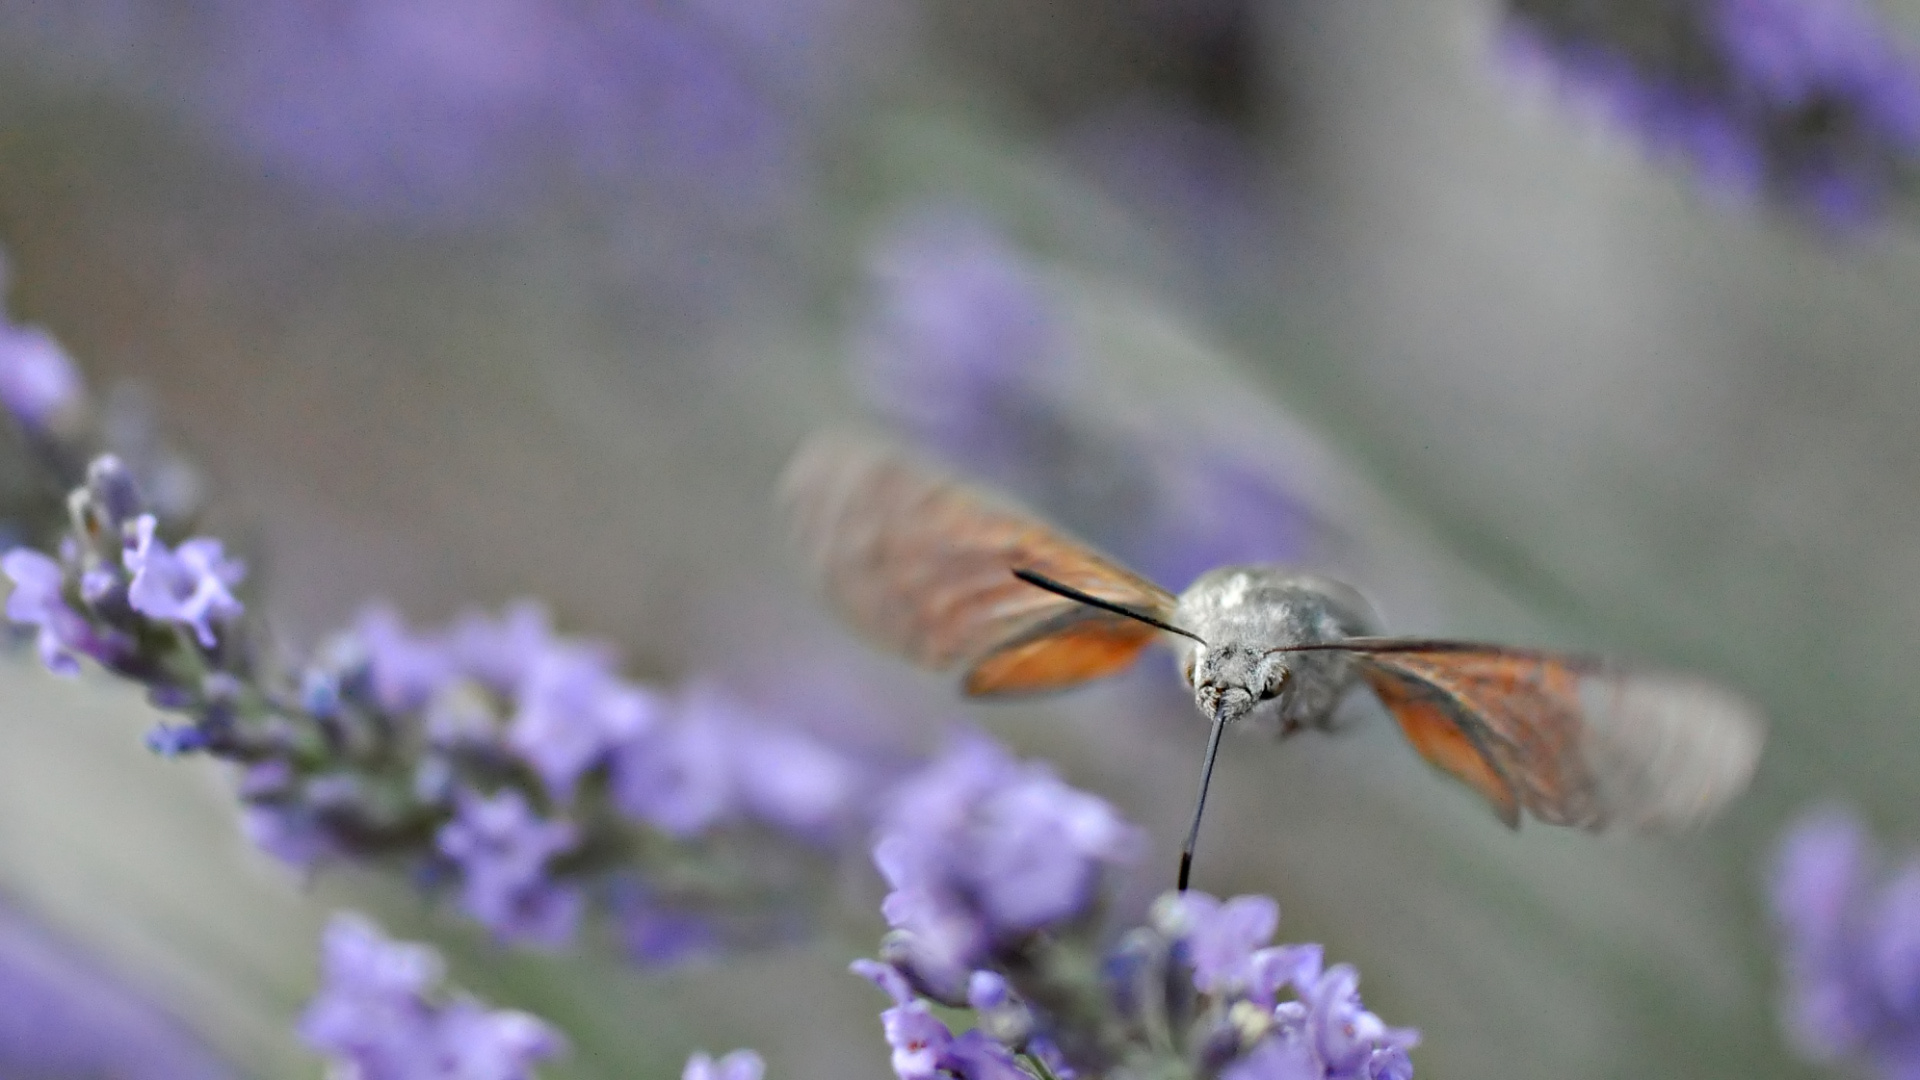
x=1244 y=613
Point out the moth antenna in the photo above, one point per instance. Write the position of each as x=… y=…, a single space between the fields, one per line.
x=1043 y=582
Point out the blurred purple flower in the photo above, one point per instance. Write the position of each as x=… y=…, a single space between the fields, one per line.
x=38 y=383
x=290 y=832
x=986 y=991
x=501 y=652
x=739 y=1065
x=190 y=585
x=489 y=1044
x=62 y=1016
x=37 y=601
x=448 y=109
x=1222 y=937
x=659 y=937
x=1816 y=102
x=1850 y=939
x=407 y=668
x=793 y=781
x=502 y=848
x=573 y=709
x=964 y=347
x=967 y=354
x=979 y=848
x=679 y=776
x=712 y=760
x=379 y=1015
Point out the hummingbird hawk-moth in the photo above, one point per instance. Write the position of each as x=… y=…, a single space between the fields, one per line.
x=953 y=576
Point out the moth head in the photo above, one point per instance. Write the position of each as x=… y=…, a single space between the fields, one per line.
x=1233 y=677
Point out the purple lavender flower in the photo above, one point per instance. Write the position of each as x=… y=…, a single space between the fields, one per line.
x=1816 y=102
x=926 y=1049
x=1036 y=1002
x=1222 y=937
x=1344 y=1039
x=573 y=709
x=372 y=1006
x=430 y=108
x=37 y=601
x=968 y=355
x=789 y=779
x=1323 y=1034
x=190 y=585
x=965 y=346
x=38 y=383
x=502 y=848
x=490 y=1044
x=979 y=848
x=713 y=759
x=407 y=669
x=1850 y=939
x=379 y=1015
x=679 y=777
x=739 y=1065
x=501 y=652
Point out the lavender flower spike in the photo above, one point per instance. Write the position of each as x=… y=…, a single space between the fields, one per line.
x=739 y=1065
x=980 y=848
x=381 y=1015
x=1813 y=102
x=190 y=585
x=964 y=349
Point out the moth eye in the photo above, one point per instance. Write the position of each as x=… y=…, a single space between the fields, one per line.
x=1186 y=668
x=1275 y=683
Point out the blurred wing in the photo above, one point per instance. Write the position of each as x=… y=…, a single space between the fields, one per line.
x=1568 y=739
x=924 y=564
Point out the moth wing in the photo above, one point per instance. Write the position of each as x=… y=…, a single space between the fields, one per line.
x=1082 y=644
x=923 y=563
x=1570 y=740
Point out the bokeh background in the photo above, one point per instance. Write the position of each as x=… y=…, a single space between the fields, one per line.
x=458 y=302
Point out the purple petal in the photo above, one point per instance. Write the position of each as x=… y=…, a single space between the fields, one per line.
x=37 y=380
x=886 y=977
x=739 y=1065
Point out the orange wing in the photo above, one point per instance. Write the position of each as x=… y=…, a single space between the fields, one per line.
x=924 y=564
x=1570 y=740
